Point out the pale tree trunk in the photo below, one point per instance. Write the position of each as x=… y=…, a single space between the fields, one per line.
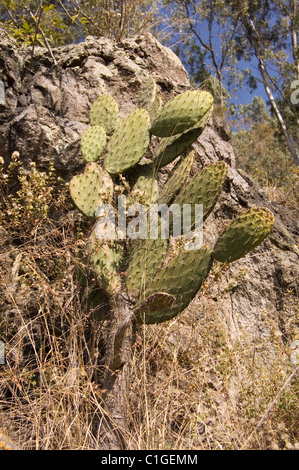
x=289 y=140
x=278 y=115
x=294 y=35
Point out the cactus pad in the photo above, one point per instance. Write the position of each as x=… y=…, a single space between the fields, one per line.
x=104 y=112
x=129 y=142
x=204 y=188
x=155 y=303
x=105 y=256
x=145 y=190
x=92 y=143
x=245 y=233
x=91 y=189
x=158 y=293
x=155 y=108
x=145 y=258
x=182 y=278
x=181 y=113
x=177 y=179
x=171 y=147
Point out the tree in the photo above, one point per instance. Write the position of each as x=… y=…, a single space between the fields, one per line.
x=229 y=34
x=268 y=33
x=209 y=29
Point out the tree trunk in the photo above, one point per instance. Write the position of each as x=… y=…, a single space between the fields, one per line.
x=278 y=115
x=289 y=140
x=294 y=35
x=112 y=433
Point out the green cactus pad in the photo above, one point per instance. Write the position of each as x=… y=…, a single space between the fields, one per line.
x=104 y=112
x=155 y=303
x=91 y=189
x=244 y=234
x=105 y=256
x=145 y=189
x=129 y=143
x=148 y=94
x=204 y=188
x=92 y=143
x=94 y=300
x=182 y=278
x=177 y=179
x=145 y=258
x=171 y=147
x=182 y=112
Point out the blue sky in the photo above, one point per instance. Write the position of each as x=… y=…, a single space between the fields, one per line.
x=242 y=96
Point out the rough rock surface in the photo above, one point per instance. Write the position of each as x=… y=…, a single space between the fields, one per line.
x=47 y=106
x=45 y=114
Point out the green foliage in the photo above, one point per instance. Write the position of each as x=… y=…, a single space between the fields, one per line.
x=32 y=22
x=159 y=291
x=262 y=152
x=105 y=257
x=34 y=198
x=35 y=23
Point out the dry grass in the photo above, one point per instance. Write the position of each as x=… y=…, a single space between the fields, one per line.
x=191 y=388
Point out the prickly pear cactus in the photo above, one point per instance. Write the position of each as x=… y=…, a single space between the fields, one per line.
x=177 y=179
x=204 y=188
x=156 y=290
x=105 y=256
x=145 y=189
